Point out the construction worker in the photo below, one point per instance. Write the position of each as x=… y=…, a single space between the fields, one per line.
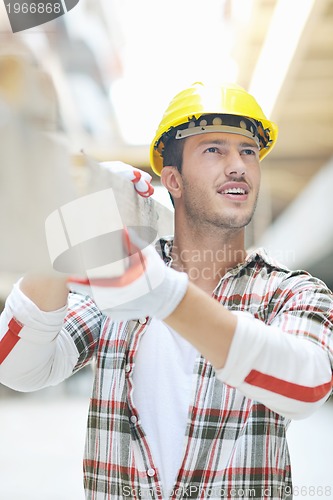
x=202 y=358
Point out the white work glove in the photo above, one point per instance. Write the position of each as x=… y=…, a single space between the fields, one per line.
x=147 y=288
x=140 y=178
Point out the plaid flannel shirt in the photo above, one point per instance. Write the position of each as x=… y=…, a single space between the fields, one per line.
x=222 y=422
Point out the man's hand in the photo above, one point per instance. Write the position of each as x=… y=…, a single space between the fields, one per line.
x=140 y=178
x=48 y=290
x=147 y=288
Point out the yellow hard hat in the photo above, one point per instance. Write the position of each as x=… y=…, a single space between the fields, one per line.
x=206 y=108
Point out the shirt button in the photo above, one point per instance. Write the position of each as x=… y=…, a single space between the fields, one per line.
x=142 y=321
x=133 y=419
x=151 y=472
x=128 y=368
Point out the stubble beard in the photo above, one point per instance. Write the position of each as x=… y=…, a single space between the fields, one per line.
x=199 y=215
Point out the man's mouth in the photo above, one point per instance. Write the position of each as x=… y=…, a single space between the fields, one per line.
x=234 y=191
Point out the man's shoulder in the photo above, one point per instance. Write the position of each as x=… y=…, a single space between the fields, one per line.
x=293 y=278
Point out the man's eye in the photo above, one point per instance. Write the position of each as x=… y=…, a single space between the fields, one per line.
x=248 y=152
x=212 y=149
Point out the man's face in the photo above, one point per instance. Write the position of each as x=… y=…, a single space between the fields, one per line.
x=220 y=179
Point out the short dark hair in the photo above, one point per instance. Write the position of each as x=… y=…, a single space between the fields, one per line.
x=173 y=153
x=173 y=156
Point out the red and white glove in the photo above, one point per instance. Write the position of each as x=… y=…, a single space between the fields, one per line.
x=147 y=288
x=140 y=178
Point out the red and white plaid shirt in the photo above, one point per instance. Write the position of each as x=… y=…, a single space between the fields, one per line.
x=235 y=444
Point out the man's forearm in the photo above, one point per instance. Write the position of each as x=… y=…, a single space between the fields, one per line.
x=49 y=293
x=247 y=354
x=35 y=350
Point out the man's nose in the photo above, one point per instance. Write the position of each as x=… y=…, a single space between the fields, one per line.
x=235 y=166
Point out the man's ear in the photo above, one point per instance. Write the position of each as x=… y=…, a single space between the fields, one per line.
x=172 y=181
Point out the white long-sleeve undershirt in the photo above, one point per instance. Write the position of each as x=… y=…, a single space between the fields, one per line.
x=289 y=374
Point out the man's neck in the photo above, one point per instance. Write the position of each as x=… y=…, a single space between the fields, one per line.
x=206 y=255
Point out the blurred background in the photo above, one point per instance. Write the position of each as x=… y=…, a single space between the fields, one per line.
x=98 y=79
